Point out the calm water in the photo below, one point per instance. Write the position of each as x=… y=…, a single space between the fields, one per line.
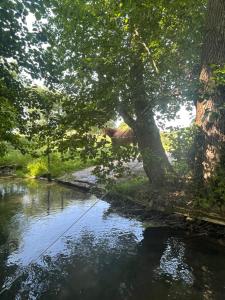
x=104 y=256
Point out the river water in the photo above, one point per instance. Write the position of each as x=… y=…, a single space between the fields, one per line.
x=102 y=257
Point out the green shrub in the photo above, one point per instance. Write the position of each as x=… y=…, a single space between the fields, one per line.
x=61 y=166
x=213 y=196
x=27 y=165
x=179 y=144
x=15 y=157
x=37 y=168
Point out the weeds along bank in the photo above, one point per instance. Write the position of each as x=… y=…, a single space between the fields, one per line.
x=24 y=165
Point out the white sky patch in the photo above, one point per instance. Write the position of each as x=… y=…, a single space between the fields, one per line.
x=30 y=19
x=184 y=118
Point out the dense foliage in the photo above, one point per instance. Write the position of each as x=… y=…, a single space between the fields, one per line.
x=124 y=59
x=104 y=60
x=20 y=51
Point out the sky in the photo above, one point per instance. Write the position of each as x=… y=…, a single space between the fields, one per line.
x=184 y=118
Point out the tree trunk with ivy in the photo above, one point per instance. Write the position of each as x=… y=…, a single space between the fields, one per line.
x=155 y=160
x=210 y=108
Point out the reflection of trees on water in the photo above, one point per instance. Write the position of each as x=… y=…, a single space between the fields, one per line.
x=62 y=201
x=9 y=208
x=111 y=266
x=208 y=265
x=49 y=198
x=88 y=270
x=19 y=201
x=158 y=268
x=11 y=188
x=187 y=268
x=34 y=197
x=48 y=201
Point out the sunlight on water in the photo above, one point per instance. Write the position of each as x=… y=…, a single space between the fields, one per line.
x=103 y=256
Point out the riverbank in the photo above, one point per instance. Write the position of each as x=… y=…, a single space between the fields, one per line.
x=14 y=163
x=133 y=197
x=192 y=222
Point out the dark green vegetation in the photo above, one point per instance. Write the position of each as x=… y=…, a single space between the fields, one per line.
x=101 y=60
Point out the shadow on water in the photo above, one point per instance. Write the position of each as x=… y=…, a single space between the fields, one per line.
x=105 y=256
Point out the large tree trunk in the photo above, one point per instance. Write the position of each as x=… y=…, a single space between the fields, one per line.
x=155 y=161
x=210 y=110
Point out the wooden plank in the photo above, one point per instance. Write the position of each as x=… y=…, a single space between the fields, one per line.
x=200 y=215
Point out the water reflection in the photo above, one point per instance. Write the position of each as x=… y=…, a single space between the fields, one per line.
x=172 y=262
x=104 y=256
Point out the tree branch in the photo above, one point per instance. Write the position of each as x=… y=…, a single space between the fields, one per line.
x=136 y=34
x=126 y=116
x=153 y=62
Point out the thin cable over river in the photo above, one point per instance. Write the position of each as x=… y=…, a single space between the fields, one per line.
x=104 y=256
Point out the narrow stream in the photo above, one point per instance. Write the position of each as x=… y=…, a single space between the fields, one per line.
x=102 y=257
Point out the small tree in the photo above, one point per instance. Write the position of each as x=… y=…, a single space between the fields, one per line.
x=44 y=129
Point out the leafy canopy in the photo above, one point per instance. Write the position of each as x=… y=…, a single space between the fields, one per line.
x=94 y=45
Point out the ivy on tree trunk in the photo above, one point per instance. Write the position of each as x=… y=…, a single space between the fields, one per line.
x=210 y=107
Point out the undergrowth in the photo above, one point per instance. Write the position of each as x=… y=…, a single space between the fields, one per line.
x=28 y=166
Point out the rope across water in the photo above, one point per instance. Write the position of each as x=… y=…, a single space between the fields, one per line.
x=9 y=283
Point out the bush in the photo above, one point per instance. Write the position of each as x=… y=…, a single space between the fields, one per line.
x=213 y=196
x=30 y=166
x=179 y=144
x=37 y=168
x=15 y=157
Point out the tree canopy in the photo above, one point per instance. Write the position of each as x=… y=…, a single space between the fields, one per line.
x=100 y=60
x=95 y=45
x=130 y=59
x=20 y=54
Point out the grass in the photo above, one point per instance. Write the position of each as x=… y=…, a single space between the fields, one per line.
x=27 y=166
x=131 y=186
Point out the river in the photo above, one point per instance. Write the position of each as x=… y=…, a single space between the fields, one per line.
x=103 y=256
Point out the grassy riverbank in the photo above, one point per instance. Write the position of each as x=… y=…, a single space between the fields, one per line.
x=27 y=166
x=137 y=196
x=139 y=191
